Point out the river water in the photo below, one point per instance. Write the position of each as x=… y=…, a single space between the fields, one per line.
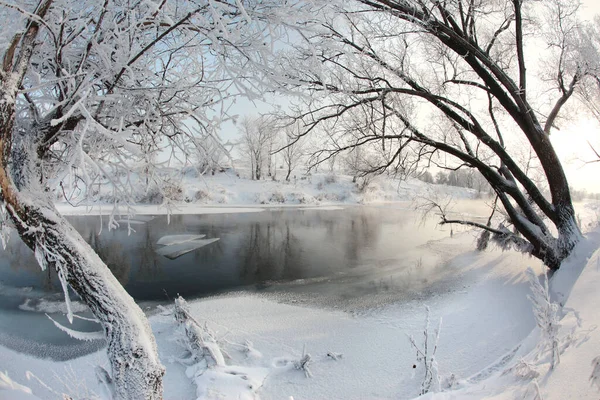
x=332 y=256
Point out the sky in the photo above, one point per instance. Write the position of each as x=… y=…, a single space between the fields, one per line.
x=590 y=8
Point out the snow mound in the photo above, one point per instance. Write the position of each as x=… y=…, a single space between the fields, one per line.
x=528 y=372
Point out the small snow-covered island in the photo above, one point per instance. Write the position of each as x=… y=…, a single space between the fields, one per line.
x=301 y=199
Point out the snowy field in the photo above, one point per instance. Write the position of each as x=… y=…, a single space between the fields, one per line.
x=272 y=346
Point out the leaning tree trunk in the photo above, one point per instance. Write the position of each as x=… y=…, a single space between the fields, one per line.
x=136 y=370
x=132 y=352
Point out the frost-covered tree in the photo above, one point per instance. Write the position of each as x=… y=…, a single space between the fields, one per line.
x=292 y=150
x=455 y=83
x=256 y=144
x=546 y=314
x=98 y=88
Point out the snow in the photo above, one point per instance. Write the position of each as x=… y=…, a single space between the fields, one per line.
x=489 y=291
x=488 y=330
x=10 y=389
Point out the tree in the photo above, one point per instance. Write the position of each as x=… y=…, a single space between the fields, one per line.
x=441 y=178
x=426 y=177
x=257 y=144
x=292 y=150
x=447 y=81
x=211 y=155
x=100 y=88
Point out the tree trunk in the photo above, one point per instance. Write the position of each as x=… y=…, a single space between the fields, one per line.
x=257 y=173
x=289 y=172
x=132 y=352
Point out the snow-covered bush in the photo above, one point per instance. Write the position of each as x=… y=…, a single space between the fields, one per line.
x=199 y=341
x=329 y=179
x=364 y=183
x=206 y=366
x=277 y=197
x=301 y=198
x=333 y=197
x=523 y=370
x=546 y=315
x=202 y=195
x=426 y=351
x=158 y=195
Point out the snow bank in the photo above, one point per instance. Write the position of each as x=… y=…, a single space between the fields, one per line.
x=228 y=193
x=526 y=372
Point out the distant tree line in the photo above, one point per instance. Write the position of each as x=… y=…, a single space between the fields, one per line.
x=467 y=178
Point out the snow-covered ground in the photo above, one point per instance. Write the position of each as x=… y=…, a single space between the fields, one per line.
x=488 y=343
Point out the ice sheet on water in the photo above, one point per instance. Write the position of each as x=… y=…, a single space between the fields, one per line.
x=177 y=250
x=177 y=239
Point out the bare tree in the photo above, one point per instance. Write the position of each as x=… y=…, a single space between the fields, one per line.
x=292 y=150
x=212 y=155
x=100 y=88
x=257 y=138
x=447 y=82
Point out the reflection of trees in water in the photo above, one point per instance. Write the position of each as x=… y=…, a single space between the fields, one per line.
x=363 y=234
x=149 y=266
x=112 y=253
x=279 y=248
x=274 y=245
x=19 y=258
x=270 y=251
x=257 y=254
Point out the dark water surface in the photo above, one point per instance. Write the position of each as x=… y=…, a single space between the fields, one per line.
x=285 y=250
